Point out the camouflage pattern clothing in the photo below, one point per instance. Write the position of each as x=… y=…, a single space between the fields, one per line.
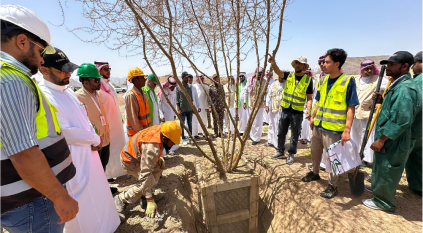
x=218 y=100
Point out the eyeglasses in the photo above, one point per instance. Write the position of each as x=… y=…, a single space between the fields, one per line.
x=96 y=80
x=44 y=49
x=107 y=69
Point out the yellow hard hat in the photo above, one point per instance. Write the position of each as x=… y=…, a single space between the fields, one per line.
x=172 y=130
x=135 y=72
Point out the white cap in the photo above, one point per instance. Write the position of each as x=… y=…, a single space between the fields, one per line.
x=28 y=20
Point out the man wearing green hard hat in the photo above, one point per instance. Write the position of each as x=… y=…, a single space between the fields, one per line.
x=92 y=98
x=153 y=103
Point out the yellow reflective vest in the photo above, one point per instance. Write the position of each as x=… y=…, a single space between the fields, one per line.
x=295 y=95
x=332 y=109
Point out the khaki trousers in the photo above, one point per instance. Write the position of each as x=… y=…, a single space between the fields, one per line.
x=320 y=140
x=136 y=191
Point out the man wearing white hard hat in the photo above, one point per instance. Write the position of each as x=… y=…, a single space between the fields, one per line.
x=35 y=158
x=297 y=92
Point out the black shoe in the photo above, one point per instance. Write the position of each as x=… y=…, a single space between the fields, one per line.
x=279 y=155
x=304 y=141
x=111 y=180
x=329 y=192
x=197 y=137
x=368 y=188
x=290 y=159
x=241 y=134
x=250 y=139
x=363 y=165
x=113 y=190
x=310 y=177
x=255 y=143
x=369 y=178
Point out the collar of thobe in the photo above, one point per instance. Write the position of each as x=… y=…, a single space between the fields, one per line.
x=53 y=86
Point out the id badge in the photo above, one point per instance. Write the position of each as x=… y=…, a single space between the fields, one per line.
x=103 y=120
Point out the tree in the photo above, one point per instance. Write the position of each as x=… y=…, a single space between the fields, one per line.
x=176 y=32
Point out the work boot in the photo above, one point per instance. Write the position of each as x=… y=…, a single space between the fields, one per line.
x=290 y=159
x=120 y=207
x=369 y=203
x=278 y=155
x=156 y=198
x=310 y=177
x=329 y=192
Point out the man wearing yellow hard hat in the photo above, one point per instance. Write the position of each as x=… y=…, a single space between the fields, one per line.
x=136 y=104
x=142 y=159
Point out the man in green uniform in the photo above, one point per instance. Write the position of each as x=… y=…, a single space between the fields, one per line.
x=153 y=104
x=413 y=167
x=393 y=141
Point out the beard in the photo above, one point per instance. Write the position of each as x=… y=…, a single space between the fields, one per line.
x=166 y=147
x=59 y=80
x=30 y=61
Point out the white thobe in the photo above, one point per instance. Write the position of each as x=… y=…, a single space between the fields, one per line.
x=89 y=186
x=272 y=133
x=194 y=122
x=203 y=104
x=166 y=111
x=305 y=128
x=155 y=119
x=257 y=127
x=117 y=135
x=265 y=114
x=243 y=113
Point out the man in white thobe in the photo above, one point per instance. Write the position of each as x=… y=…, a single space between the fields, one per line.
x=253 y=95
x=202 y=99
x=274 y=108
x=243 y=98
x=97 y=212
x=196 y=102
x=230 y=99
x=117 y=136
x=266 y=117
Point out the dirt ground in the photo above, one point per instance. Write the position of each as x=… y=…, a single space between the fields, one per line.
x=286 y=203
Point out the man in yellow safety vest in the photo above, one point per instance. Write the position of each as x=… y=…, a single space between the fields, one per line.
x=298 y=88
x=333 y=116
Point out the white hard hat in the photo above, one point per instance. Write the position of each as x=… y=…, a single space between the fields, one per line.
x=28 y=20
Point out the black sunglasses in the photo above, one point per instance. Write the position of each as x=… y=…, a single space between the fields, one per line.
x=107 y=68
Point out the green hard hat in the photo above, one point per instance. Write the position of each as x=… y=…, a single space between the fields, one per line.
x=88 y=70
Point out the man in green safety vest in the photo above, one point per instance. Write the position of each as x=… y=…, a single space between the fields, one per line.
x=333 y=115
x=298 y=88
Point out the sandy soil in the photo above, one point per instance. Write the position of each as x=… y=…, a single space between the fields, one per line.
x=286 y=203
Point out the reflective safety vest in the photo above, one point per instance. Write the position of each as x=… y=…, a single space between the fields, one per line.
x=143 y=114
x=15 y=192
x=295 y=95
x=332 y=109
x=132 y=151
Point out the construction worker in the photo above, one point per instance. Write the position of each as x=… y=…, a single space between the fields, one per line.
x=136 y=104
x=333 y=115
x=142 y=159
x=298 y=88
x=35 y=157
x=83 y=143
x=393 y=136
x=413 y=167
x=153 y=103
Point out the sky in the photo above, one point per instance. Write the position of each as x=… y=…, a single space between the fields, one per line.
x=360 y=27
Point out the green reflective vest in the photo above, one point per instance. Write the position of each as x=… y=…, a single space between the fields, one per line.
x=332 y=109
x=295 y=95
